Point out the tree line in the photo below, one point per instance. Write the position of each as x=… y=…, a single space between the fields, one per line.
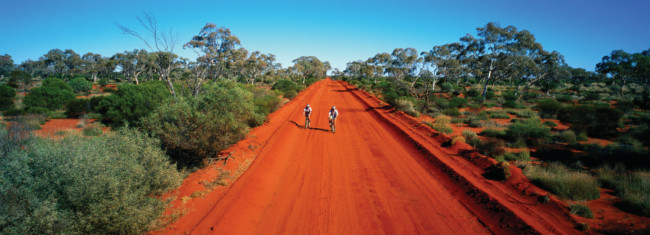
x=496 y=55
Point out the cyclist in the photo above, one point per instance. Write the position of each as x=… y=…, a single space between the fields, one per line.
x=307 y=113
x=333 y=114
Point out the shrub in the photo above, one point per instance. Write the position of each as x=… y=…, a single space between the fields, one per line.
x=406 y=106
x=521 y=156
x=290 y=94
x=446 y=87
x=7 y=96
x=490 y=132
x=109 y=184
x=132 y=102
x=473 y=92
x=286 y=86
x=441 y=124
x=529 y=130
x=509 y=96
x=559 y=180
x=265 y=102
x=492 y=147
x=592 y=96
x=548 y=108
x=567 y=136
x=194 y=128
x=103 y=82
x=457 y=102
x=499 y=115
x=566 y=98
x=473 y=121
x=14 y=112
x=80 y=84
x=78 y=107
x=441 y=103
x=53 y=95
x=581 y=210
x=452 y=112
x=595 y=120
x=632 y=187
x=511 y=104
x=549 y=124
x=92 y=131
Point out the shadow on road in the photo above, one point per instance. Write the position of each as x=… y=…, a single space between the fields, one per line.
x=312 y=128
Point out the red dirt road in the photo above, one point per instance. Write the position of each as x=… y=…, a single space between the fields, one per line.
x=376 y=175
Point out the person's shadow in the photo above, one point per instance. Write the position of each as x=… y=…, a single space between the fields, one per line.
x=311 y=128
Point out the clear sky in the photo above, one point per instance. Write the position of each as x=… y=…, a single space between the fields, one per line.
x=337 y=31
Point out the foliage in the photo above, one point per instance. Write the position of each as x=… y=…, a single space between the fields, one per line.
x=581 y=210
x=406 y=106
x=566 y=98
x=107 y=184
x=549 y=124
x=457 y=102
x=492 y=147
x=80 y=84
x=288 y=87
x=595 y=120
x=92 y=131
x=53 y=94
x=132 y=102
x=441 y=124
x=490 y=132
x=632 y=187
x=561 y=181
x=548 y=108
x=567 y=136
x=452 y=112
x=7 y=96
x=511 y=104
x=521 y=156
x=194 y=128
x=530 y=130
x=499 y=115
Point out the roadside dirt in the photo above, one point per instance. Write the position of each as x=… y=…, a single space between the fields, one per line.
x=382 y=172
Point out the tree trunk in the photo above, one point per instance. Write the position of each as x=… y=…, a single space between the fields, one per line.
x=487 y=81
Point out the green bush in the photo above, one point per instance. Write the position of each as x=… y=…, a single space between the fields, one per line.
x=290 y=94
x=581 y=210
x=473 y=92
x=490 y=132
x=559 y=180
x=446 y=87
x=441 y=103
x=509 y=96
x=511 y=104
x=632 y=187
x=595 y=120
x=13 y=112
x=53 y=94
x=521 y=156
x=103 y=82
x=530 y=130
x=78 y=107
x=132 y=102
x=7 y=96
x=492 y=147
x=265 y=102
x=548 y=108
x=194 y=128
x=109 y=184
x=565 y=98
x=285 y=86
x=452 y=112
x=499 y=115
x=567 y=136
x=406 y=106
x=92 y=131
x=457 y=102
x=80 y=84
x=549 y=124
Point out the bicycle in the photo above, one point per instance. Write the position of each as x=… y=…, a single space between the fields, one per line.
x=333 y=125
x=307 y=121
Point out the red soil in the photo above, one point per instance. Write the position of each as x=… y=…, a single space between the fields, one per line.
x=54 y=125
x=382 y=172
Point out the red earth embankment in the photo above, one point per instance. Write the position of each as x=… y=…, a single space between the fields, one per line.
x=382 y=172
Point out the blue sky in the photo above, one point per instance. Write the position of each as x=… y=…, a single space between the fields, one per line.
x=336 y=31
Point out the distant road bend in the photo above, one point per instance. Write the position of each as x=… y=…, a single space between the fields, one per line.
x=374 y=176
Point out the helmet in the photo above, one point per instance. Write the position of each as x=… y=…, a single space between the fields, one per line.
x=333 y=107
x=307 y=105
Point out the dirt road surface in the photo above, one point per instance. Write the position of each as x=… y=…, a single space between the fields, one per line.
x=379 y=174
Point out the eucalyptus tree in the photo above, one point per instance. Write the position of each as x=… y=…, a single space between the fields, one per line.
x=72 y=61
x=91 y=63
x=258 y=64
x=55 y=61
x=380 y=62
x=619 y=65
x=494 y=41
x=6 y=65
x=443 y=62
x=310 y=67
x=34 y=67
x=403 y=62
x=162 y=46
x=213 y=46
